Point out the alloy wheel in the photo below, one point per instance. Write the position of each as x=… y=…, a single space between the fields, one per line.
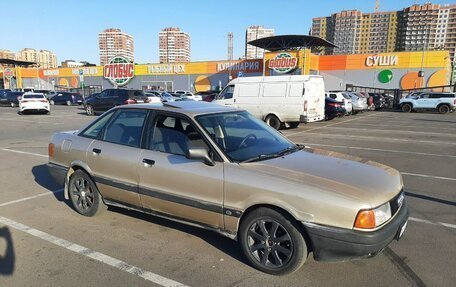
x=82 y=193
x=270 y=243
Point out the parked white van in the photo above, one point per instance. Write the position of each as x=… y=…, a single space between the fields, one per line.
x=278 y=100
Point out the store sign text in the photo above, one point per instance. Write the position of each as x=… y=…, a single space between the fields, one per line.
x=48 y=73
x=119 y=71
x=85 y=71
x=166 y=69
x=239 y=66
x=283 y=63
x=390 y=60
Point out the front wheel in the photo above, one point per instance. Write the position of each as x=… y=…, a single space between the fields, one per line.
x=272 y=242
x=84 y=194
x=406 y=108
x=89 y=110
x=443 y=109
x=51 y=102
x=273 y=122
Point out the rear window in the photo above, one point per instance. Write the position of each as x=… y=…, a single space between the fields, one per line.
x=437 y=96
x=33 y=96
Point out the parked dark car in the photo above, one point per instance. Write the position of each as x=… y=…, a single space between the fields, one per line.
x=333 y=109
x=378 y=100
x=113 y=97
x=10 y=99
x=4 y=91
x=207 y=96
x=65 y=98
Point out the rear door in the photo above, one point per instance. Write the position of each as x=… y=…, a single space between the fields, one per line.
x=423 y=101
x=113 y=157
x=314 y=97
x=170 y=183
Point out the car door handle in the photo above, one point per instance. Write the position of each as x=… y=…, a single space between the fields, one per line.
x=148 y=162
x=96 y=151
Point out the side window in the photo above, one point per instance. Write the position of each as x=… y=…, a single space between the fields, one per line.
x=227 y=93
x=174 y=135
x=94 y=130
x=126 y=127
x=104 y=94
x=424 y=96
x=333 y=96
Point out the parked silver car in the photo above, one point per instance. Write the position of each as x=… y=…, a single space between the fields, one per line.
x=359 y=102
x=234 y=175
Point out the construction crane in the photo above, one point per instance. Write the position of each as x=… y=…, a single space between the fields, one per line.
x=377 y=5
x=230 y=46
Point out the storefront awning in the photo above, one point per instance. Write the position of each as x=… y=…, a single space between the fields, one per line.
x=290 y=42
x=16 y=63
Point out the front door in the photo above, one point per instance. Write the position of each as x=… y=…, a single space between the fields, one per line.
x=171 y=184
x=114 y=156
x=226 y=96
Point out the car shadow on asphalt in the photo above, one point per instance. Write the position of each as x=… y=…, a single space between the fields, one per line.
x=430 y=198
x=222 y=243
x=44 y=179
x=7 y=256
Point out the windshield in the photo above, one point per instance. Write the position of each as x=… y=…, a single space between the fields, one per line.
x=243 y=137
x=33 y=96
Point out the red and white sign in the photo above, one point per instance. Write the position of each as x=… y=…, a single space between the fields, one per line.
x=283 y=63
x=8 y=73
x=119 y=71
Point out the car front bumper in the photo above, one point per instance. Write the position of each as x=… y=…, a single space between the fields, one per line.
x=339 y=244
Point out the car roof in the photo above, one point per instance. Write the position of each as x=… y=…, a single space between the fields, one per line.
x=190 y=108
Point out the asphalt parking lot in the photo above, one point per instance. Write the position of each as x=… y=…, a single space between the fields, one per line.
x=43 y=242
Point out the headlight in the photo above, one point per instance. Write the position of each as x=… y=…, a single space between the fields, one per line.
x=372 y=218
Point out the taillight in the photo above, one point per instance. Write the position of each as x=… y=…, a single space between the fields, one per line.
x=454 y=103
x=51 y=150
x=305 y=106
x=43 y=101
x=129 y=102
x=24 y=101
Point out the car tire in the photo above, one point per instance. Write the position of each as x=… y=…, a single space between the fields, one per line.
x=444 y=109
x=406 y=108
x=273 y=122
x=51 y=102
x=48 y=113
x=13 y=104
x=272 y=242
x=294 y=125
x=89 y=110
x=84 y=194
x=68 y=103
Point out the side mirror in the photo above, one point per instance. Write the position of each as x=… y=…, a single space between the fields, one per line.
x=200 y=154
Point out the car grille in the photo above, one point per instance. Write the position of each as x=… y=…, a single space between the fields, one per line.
x=397 y=202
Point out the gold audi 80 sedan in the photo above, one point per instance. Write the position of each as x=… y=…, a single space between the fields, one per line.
x=222 y=169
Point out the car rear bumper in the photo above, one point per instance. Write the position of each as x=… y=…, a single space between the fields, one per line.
x=339 y=244
x=34 y=107
x=311 y=118
x=58 y=172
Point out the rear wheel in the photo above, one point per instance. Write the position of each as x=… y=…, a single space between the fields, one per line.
x=51 y=102
x=273 y=122
x=89 y=110
x=68 y=103
x=443 y=109
x=272 y=242
x=406 y=108
x=13 y=104
x=84 y=194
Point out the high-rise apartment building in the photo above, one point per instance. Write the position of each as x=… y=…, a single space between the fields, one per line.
x=174 y=46
x=7 y=54
x=113 y=42
x=43 y=58
x=253 y=33
x=415 y=28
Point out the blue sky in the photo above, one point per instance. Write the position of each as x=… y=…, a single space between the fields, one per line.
x=70 y=28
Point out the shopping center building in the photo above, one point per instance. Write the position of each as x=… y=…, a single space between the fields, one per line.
x=395 y=70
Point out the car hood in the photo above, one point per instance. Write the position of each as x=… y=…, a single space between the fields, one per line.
x=352 y=177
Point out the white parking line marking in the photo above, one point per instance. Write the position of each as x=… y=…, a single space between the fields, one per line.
x=382 y=150
x=449 y=225
x=103 y=258
x=338 y=123
x=30 y=197
x=385 y=138
x=429 y=176
x=395 y=131
x=23 y=152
